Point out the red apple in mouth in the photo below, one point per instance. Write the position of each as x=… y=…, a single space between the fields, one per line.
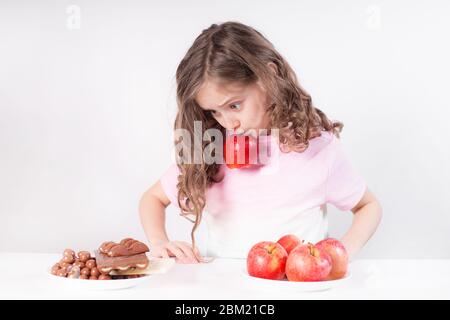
x=240 y=151
x=289 y=242
x=267 y=260
x=308 y=263
x=338 y=255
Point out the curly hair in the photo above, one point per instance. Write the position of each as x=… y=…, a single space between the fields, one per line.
x=234 y=53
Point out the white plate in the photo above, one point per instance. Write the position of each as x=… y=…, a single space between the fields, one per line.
x=158 y=266
x=293 y=286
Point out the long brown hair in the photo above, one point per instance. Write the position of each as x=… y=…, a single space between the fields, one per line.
x=232 y=52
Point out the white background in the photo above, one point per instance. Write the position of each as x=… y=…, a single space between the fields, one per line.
x=87 y=104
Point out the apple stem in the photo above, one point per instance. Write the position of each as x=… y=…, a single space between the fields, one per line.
x=313 y=250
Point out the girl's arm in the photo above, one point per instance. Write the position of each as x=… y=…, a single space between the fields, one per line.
x=367 y=216
x=153 y=215
x=152 y=212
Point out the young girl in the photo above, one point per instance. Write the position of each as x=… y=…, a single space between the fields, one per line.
x=232 y=78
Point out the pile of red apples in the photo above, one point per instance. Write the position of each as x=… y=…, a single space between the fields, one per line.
x=296 y=260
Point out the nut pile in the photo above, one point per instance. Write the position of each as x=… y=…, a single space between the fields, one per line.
x=78 y=266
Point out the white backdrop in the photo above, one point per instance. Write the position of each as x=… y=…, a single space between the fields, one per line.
x=87 y=98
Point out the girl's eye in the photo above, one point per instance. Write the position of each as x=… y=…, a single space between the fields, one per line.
x=233 y=106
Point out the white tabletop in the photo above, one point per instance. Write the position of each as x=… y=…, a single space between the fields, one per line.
x=23 y=276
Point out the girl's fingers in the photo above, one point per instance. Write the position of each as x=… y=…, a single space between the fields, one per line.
x=187 y=251
x=176 y=251
x=164 y=254
x=156 y=253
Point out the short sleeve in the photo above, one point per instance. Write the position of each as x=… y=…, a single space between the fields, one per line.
x=345 y=186
x=169 y=181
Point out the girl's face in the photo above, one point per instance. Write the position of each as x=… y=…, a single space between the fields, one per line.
x=235 y=107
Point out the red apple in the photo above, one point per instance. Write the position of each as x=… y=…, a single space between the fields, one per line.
x=338 y=255
x=267 y=260
x=289 y=242
x=241 y=151
x=308 y=263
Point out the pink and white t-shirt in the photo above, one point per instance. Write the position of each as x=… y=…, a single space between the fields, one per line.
x=288 y=195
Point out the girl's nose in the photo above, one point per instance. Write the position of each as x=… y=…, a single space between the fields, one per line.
x=233 y=124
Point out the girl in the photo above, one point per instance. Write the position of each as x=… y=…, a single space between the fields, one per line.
x=232 y=78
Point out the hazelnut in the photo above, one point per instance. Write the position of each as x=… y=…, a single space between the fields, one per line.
x=79 y=263
x=68 y=259
x=83 y=277
x=104 y=277
x=86 y=272
x=84 y=256
x=55 y=269
x=93 y=278
x=61 y=273
x=69 y=253
x=91 y=264
x=95 y=272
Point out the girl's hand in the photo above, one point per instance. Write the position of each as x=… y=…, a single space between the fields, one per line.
x=182 y=251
